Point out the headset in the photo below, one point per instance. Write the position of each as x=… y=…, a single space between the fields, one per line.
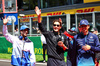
x=21 y=37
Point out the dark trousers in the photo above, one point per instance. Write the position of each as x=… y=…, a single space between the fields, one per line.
x=98 y=57
x=69 y=63
x=55 y=62
x=44 y=49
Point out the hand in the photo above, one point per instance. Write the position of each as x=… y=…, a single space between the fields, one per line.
x=5 y=20
x=38 y=12
x=60 y=20
x=86 y=47
x=60 y=43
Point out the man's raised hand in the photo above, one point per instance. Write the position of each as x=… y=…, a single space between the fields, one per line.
x=38 y=11
x=5 y=20
x=60 y=20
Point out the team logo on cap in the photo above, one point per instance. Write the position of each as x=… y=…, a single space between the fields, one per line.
x=83 y=22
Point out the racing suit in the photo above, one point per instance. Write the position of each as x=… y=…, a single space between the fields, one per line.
x=81 y=57
x=55 y=53
x=22 y=49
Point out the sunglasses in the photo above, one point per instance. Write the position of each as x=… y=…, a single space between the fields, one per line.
x=56 y=25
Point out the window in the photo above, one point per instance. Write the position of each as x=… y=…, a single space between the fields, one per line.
x=54 y=3
x=72 y=21
x=77 y=1
x=97 y=21
x=10 y=6
x=27 y=4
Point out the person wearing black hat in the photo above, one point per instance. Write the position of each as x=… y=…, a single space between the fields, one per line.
x=56 y=41
x=97 y=56
x=85 y=44
x=22 y=46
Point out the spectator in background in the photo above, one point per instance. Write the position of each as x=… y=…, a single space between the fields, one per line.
x=94 y=31
x=44 y=46
x=16 y=30
x=84 y=46
x=22 y=46
x=97 y=56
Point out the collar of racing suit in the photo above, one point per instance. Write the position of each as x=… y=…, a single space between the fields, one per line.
x=56 y=33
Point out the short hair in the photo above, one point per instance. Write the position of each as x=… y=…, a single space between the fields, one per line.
x=56 y=20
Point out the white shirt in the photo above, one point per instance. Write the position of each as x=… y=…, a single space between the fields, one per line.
x=43 y=39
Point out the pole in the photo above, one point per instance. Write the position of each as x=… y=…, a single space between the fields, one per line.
x=13 y=26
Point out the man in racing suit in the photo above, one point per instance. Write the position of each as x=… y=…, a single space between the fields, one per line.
x=22 y=46
x=56 y=42
x=84 y=46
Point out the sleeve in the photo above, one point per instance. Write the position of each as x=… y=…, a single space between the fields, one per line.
x=43 y=39
x=43 y=30
x=41 y=27
x=96 y=48
x=32 y=56
x=66 y=42
x=68 y=35
x=7 y=35
x=74 y=49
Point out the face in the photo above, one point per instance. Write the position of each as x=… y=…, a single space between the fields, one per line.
x=24 y=32
x=79 y=29
x=84 y=29
x=56 y=26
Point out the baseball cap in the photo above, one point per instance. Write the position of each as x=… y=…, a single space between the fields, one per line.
x=93 y=29
x=84 y=22
x=23 y=27
x=73 y=29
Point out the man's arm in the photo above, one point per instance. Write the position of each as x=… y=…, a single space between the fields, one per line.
x=95 y=48
x=8 y=36
x=38 y=12
x=41 y=26
x=60 y=43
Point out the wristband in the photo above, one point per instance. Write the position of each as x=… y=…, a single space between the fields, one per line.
x=64 y=47
x=39 y=18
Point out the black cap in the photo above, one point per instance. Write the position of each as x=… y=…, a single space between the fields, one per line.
x=93 y=29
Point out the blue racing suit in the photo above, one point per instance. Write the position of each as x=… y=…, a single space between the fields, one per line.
x=81 y=57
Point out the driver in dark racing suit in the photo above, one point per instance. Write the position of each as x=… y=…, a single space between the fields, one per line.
x=56 y=42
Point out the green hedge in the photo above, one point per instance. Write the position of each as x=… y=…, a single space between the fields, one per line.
x=6 y=47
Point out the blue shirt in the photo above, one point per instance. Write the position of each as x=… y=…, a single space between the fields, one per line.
x=81 y=57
